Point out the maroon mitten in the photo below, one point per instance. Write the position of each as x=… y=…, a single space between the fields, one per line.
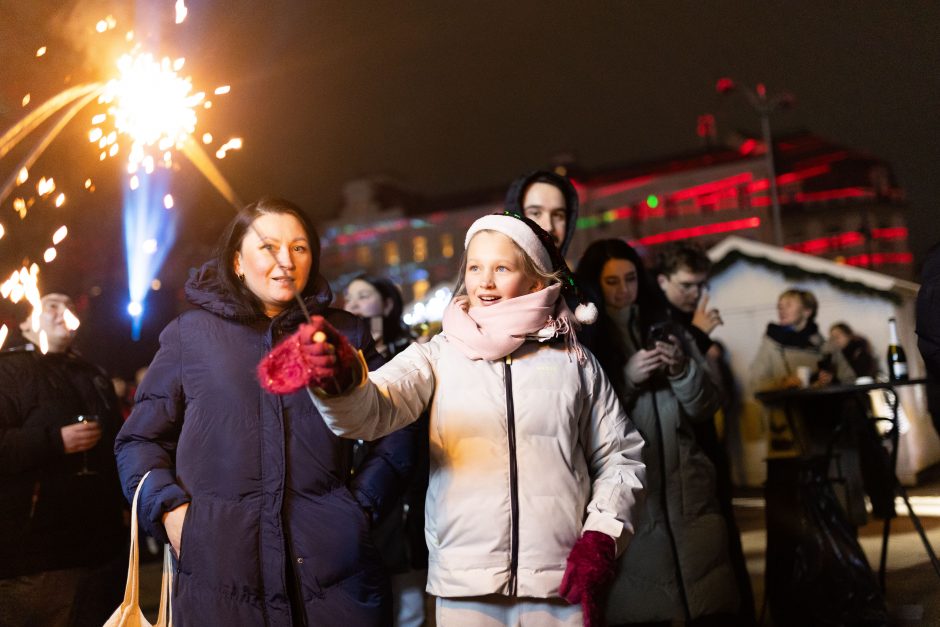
x=590 y=566
x=316 y=354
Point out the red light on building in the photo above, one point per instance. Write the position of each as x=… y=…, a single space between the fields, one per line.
x=897 y=232
x=880 y=259
x=835 y=194
x=711 y=186
x=748 y=146
x=697 y=231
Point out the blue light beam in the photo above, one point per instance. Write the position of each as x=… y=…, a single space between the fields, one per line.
x=149 y=233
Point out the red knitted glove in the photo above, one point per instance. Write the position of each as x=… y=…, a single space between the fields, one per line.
x=316 y=355
x=590 y=567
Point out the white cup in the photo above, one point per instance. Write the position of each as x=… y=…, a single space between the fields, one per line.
x=803 y=373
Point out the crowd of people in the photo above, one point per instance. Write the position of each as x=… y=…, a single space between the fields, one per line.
x=553 y=457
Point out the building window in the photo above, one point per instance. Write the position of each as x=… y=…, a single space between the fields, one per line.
x=420 y=248
x=392 y=257
x=447 y=245
x=420 y=288
x=363 y=256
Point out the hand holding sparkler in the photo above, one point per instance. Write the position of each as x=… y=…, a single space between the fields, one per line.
x=316 y=355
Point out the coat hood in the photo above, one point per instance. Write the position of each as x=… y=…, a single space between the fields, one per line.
x=514 y=198
x=205 y=289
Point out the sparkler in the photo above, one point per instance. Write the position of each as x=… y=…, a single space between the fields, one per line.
x=149 y=114
x=151 y=105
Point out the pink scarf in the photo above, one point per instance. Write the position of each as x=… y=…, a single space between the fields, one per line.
x=495 y=331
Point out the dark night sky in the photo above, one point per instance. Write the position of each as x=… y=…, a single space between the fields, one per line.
x=450 y=97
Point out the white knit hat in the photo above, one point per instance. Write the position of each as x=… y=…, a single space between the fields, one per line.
x=518 y=229
x=519 y=232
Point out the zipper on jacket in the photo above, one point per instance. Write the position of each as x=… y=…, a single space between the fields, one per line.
x=664 y=496
x=513 y=481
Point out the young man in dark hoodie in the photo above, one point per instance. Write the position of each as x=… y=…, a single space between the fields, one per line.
x=549 y=200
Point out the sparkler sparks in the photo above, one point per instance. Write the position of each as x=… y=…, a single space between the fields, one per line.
x=150 y=103
x=148 y=114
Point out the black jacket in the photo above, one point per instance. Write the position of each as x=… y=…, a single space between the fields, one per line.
x=928 y=329
x=50 y=516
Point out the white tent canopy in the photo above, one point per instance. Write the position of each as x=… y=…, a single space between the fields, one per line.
x=749 y=276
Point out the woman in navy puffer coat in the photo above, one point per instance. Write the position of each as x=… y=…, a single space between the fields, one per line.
x=251 y=489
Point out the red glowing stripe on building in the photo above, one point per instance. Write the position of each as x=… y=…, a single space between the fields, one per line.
x=896 y=232
x=623 y=186
x=834 y=194
x=822 y=244
x=760 y=201
x=697 y=231
x=749 y=146
x=620 y=213
x=757 y=186
x=790 y=177
x=712 y=186
x=879 y=259
x=846 y=240
x=800 y=175
x=832 y=157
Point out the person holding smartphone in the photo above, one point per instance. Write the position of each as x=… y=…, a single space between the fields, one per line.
x=682 y=271
x=677 y=567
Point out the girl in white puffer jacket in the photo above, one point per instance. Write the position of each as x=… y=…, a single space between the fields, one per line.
x=535 y=467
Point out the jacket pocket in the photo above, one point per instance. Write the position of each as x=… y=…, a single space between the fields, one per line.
x=184 y=534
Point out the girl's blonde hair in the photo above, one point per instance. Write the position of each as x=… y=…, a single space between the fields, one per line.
x=528 y=267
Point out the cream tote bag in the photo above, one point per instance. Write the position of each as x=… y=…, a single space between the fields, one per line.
x=129 y=614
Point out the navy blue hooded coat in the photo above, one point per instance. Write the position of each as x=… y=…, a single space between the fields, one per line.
x=274 y=523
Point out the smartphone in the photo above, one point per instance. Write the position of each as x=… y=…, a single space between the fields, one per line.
x=659 y=332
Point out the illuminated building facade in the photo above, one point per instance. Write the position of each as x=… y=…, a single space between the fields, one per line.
x=836 y=203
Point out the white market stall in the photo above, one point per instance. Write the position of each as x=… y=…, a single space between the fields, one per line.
x=747 y=279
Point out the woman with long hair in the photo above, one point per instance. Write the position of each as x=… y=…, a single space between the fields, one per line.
x=677 y=567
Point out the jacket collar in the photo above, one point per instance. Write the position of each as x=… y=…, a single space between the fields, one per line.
x=205 y=290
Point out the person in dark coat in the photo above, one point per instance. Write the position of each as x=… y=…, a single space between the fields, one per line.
x=400 y=537
x=928 y=329
x=63 y=541
x=678 y=566
x=682 y=272
x=251 y=489
x=548 y=199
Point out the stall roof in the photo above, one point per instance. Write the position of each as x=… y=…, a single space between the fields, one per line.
x=734 y=247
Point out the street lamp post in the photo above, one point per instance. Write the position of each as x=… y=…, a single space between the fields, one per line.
x=764 y=106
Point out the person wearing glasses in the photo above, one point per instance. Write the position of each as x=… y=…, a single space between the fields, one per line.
x=682 y=275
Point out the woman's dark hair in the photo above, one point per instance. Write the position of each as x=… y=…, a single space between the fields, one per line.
x=844 y=328
x=230 y=243
x=651 y=304
x=393 y=329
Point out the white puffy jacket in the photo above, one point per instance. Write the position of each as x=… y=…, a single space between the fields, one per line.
x=526 y=454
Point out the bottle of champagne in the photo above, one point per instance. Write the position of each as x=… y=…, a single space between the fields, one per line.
x=897 y=360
